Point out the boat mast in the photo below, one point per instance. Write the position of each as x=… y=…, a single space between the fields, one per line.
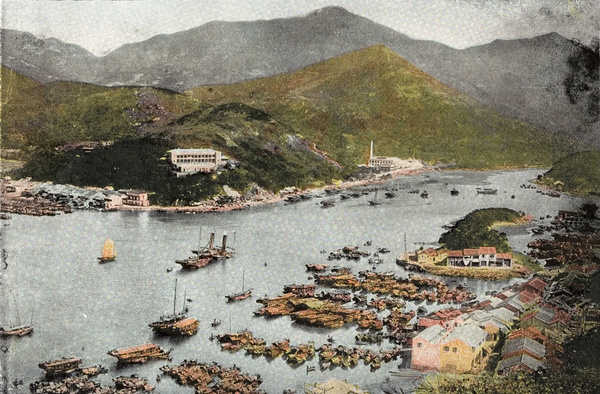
x=175 y=298
x=405 y=251
x=184 y=299
x=243 y=272
x=17 y=309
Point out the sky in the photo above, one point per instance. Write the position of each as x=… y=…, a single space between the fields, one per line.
x=103 y=25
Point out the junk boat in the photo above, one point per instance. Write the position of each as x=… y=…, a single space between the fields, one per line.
x=108 y=252
x=208 y=254
x=375 y=200
x=176 y=324
x=20 y=329
x=328 y=203
x=139 y=353
x=454 y=192
x=486 y=191
x=62 y=366
x=242 y=295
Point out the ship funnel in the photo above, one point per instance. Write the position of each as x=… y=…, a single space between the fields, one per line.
x=224 y=245
x=212 y=240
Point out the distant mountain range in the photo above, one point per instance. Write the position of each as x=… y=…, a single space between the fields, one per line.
x=547 y=81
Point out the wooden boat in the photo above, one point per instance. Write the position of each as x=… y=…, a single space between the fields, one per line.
x=176 y=324
x=108 y=252
x=486 y=191
x=62 y=366
x=20 y=329
x=454 y=192
x=242 y=295
x=375 y=200
x=139 y=353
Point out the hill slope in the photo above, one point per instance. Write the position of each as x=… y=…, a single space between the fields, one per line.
x=529 y=79
x=578 y=173
x=373 y=94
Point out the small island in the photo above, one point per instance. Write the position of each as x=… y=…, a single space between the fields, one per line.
x=474 y=248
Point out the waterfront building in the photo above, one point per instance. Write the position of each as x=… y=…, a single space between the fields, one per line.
x=384 y=163
x=431 y=256
x=135 y=197
x=464 y=349
x=426 y=348
x=485 y=256
x=191 y=161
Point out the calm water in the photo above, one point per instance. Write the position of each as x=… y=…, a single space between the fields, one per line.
x=82 y=308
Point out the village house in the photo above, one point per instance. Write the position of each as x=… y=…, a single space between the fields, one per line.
x=135 y=198
x=464 y=349
x=485 y=256
x=446 y=318
x=426 y=348
x=521 y=362
x=185 y=162
x=535 y=286
x=431 y=256
x=546 y=317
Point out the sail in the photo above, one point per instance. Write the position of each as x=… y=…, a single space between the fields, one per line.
x=108 y=251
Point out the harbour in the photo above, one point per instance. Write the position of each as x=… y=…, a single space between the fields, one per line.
x=84 y=309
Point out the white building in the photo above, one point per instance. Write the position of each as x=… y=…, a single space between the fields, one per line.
x=190 y=161
x=384 y=163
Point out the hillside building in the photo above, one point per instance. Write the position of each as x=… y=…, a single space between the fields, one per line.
x=384 y=163
x=191 y=161
x=135 y=197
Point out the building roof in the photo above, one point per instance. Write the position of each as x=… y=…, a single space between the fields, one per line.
x=432 y=334
x=482 y=318
x=507 y=256
x=487 y=250
x=528 y=297
x=521 y=359
x=537 y=284
x=192 y=150
x=470 y=334
x=524 y=344
x=503 y=314
x=545 y=315
x=455 y=253
x=471 y=252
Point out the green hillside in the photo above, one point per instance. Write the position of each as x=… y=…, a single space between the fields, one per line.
x=296 y=129
x=577 y=173
x=373 y=94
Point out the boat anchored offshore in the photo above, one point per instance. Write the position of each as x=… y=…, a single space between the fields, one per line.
x=375 y=200
x=108 y=252
x=242 y=295
x=20 y=329
x=176 y=324
x=60 y=367
x=486 y=191
x=207 y=254
x=140 y=353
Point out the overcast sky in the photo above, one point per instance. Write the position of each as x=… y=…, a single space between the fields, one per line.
x=102 y=25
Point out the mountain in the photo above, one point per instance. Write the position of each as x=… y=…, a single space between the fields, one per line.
x=527 y=78
x=577 y=173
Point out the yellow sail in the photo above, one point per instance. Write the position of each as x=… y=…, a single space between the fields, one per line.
x=108 y=251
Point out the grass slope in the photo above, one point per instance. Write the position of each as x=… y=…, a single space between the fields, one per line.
x=475 y=230
x=374 y=94
x=579 y=173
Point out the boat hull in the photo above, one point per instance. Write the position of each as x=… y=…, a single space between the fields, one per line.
x=186 y=327
x=18 y=332
x=239 y=296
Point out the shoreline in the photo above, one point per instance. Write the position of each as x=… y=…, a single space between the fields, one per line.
x=211 y=206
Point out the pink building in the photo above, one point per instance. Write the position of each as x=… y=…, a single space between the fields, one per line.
x=135 y=197
x=426 y=348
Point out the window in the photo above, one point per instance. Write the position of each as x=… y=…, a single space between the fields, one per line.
x=454 y=350
x=446 y=349
x=419 y=344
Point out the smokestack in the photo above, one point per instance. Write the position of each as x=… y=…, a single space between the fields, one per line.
x=212 y=240
x=224 y=242
x=371 y=155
